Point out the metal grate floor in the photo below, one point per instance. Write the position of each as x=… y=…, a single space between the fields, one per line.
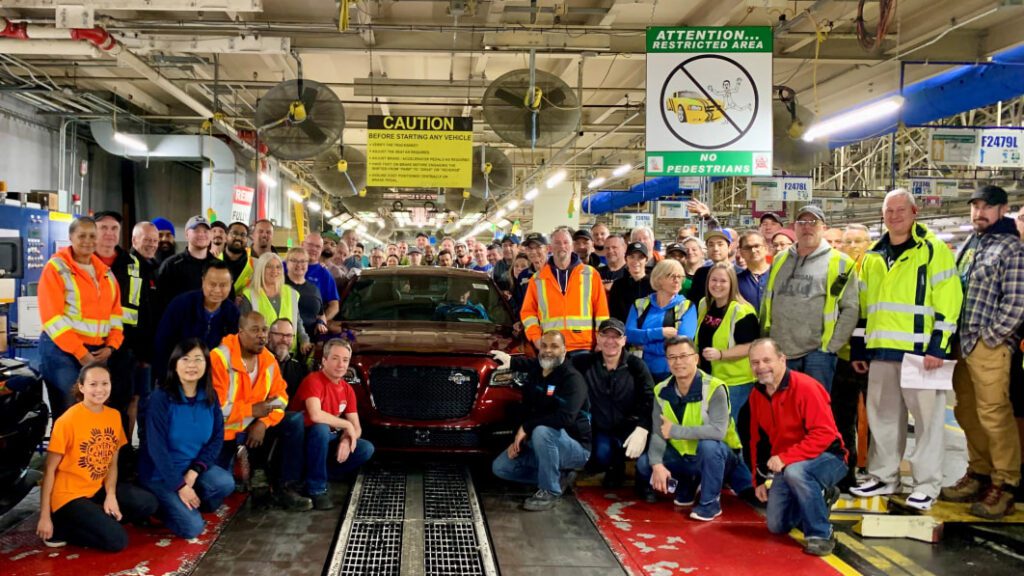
x=383 y=495
x=373 y=548
x=451 y=549
x=445 y=496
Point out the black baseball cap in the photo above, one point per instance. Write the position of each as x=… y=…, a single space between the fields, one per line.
x=111 y=214
x=535 y=237
x=219 y=224
x=613 y=324
x=637 y=247
x=423 y=235
x=582 y=233
x=675 y=247
x=511 y=239
x=773 y=216
x=992 y=195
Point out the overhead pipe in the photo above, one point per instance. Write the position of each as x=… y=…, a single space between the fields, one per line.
x=609 y=200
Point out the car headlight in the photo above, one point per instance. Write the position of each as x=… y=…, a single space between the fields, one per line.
x=509 y=378
x=352 y=376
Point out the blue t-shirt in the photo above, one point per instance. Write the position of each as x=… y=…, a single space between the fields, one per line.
x=322 y=279
x=752 y=287
x=485 y=268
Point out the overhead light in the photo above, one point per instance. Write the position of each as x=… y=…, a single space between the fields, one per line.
x=328 y=214
x=512 y=204
x=130 y=142
x=313 y=205
x=267 y=180
x=531 y=194
x=380 y=223
x=855 y=117
x=333 y=221
x=295 y=195
x=622 y=170
x=503 y=223
x=361 y=228
x=500 y=213
x=556 y=179
x=597 y=182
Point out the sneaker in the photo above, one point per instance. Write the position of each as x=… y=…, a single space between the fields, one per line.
x=53 y=543
x=707 y=512
x=967 y=489
x=820 y=546
x=322 y=501
x=873 y=488
x=291 y=500
x=258 y=482
x=995 y=504
x=541 y=500
x=566 y=480
x=920 y=501
x=686 y=496
x=832 y=495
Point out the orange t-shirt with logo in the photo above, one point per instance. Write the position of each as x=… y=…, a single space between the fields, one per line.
x=89 y=442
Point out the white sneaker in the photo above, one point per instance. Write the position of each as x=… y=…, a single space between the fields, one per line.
x=873 y=488
x=55 y=543
x=920 y=501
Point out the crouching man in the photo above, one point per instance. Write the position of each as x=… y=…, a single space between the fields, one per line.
x=553 y=439
x=334 y=443
x=805 y=457
x=697 y=447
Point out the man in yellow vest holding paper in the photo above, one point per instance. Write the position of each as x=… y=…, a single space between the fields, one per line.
x=696 y=448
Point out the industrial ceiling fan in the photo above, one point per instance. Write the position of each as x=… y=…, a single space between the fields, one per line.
x=530 y=108
x=298 y=119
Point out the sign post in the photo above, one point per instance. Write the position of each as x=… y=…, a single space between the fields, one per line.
x=709 y=101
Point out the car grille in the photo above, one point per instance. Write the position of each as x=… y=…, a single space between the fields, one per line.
x=387 y=437
x=423 y=392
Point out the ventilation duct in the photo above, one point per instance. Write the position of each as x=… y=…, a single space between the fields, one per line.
x=218 y=180
x=610 y=200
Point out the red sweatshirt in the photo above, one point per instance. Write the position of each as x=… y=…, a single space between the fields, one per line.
x=797 y=421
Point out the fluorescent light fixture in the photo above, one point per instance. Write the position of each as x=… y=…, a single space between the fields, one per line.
x=531 y=194
x=130 y=142
x=855 y=117
x=267 y=180
x=333 y=221
x=503 y=223
x=328 y=214
x=596 y=182
x=512 y=204
x=294 y=195
x=314 y=206
x=361 y=228
x=556 y=179
x=500 y=213
x=622 y=170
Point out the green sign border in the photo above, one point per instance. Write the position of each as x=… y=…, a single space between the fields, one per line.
x=762 y=33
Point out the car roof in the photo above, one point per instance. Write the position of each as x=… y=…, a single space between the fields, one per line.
x=423 y=271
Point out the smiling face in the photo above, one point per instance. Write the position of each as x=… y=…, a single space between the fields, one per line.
x=198 y=237
x=718 y=249
x=108 y=232
x=610 y=342
x=552 y=350
x=83 y=239
x=336 y=362
x=682 y=361
x=218 y=236
x=95 y=387
x=237 y=236
x=165 y=241
x=719 y=284
x=191 y=367
x=768 y=366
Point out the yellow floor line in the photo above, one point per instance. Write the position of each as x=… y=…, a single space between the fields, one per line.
x=903 y=562
x=832 y=560
x=866 y=552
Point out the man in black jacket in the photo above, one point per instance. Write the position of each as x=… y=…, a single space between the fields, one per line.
x=621 y=393
x=633 y=285
x=183 y=272
x=553 y=438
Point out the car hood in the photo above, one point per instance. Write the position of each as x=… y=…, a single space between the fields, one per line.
x=431 y=338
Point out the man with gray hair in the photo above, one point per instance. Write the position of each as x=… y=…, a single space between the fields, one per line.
x=645 y=235
x=553 y=438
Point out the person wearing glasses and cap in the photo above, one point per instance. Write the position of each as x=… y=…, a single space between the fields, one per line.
x=183 y=272
x=810 y=306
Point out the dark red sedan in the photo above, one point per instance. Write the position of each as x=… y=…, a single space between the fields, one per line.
x=421 y=366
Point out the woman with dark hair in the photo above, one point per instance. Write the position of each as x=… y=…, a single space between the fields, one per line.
x=184 y=432
x=82 y=501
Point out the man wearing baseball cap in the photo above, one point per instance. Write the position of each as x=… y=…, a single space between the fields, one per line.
x=583 y=246
x=621 y=393
x=633 y=285
x=770 y=224
x=810 y=306
x=509 y=249
x=718 y=243
x=991 y=268
x=535 y=244
x=183 y=272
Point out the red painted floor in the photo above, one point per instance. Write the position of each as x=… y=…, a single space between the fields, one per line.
x=662 y=540
x=150 y=552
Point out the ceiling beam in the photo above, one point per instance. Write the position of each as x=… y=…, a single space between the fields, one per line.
x=147 y=5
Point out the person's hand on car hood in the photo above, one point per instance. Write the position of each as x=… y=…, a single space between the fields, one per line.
x=502 y=358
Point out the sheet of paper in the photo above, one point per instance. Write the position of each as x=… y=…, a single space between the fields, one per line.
x=913 y=374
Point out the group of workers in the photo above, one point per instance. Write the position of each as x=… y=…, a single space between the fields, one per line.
x=732 y=359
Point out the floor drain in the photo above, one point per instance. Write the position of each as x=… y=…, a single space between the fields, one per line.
x=373 y=548
x=445 y=496
x=451 y=549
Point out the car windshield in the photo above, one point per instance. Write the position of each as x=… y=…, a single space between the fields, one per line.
x=418 y=297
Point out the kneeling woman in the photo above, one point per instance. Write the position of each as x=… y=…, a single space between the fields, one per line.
x=82 y=502
x=184 y=432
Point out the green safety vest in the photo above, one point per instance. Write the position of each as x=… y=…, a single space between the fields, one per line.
x=694 y=414
x=919 y=294
x=840 y=268
x=130 y=309
x=288 y=299
x=732 y=372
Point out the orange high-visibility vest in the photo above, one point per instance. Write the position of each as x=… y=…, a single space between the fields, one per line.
x=576 y=314
x=237 y=392
x=76 y=310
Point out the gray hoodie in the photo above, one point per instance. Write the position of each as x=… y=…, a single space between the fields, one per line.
x=798 y=304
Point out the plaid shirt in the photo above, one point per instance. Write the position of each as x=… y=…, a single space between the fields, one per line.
x=992 y=268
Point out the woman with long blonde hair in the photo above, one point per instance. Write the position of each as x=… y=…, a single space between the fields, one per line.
x=271 y=297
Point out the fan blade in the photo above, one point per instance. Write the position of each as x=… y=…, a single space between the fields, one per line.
x=557 y=97
x=308 y=100
x=508 y=97
x=313 y=131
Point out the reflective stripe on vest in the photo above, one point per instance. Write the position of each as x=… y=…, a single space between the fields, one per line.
x=696 y=413
x=278 y=403
x=130 y=309
x=732 y=372
x=578 y=322
x=72 y=318
x=263 y=306
x=837 y=266
x=641 y=305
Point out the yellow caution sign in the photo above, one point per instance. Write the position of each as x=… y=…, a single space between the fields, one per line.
x=419 y=151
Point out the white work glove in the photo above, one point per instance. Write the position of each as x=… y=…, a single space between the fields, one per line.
x=636 y=443
x=502 y=358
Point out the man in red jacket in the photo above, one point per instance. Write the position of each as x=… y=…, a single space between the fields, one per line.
x=797 y=476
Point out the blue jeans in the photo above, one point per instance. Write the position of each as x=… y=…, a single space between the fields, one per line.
x=59 y=370
x=738 y=396
x=212 y=487
x=321 y=464
x=714 y=464
x=608 y=451
x=285 y=464
x=818 y=365
x=542 y=459
x=796 y=497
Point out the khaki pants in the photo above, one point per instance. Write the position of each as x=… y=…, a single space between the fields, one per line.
x=983 y=409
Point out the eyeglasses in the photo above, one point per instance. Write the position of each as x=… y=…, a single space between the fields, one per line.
x=677 y=277
x=237 y=234
x=808 y=222
x=678 y=357
x=752 y=247
x=282 y=335
x=298 y=262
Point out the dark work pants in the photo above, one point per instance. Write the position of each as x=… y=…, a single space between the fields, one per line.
x=847 y=388
x=83 y=522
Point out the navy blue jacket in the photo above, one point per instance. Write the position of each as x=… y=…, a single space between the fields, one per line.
x=185 y=318
x=178 y=435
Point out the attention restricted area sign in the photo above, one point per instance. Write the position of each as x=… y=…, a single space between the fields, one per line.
x=419 y=151
x=709 y=101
